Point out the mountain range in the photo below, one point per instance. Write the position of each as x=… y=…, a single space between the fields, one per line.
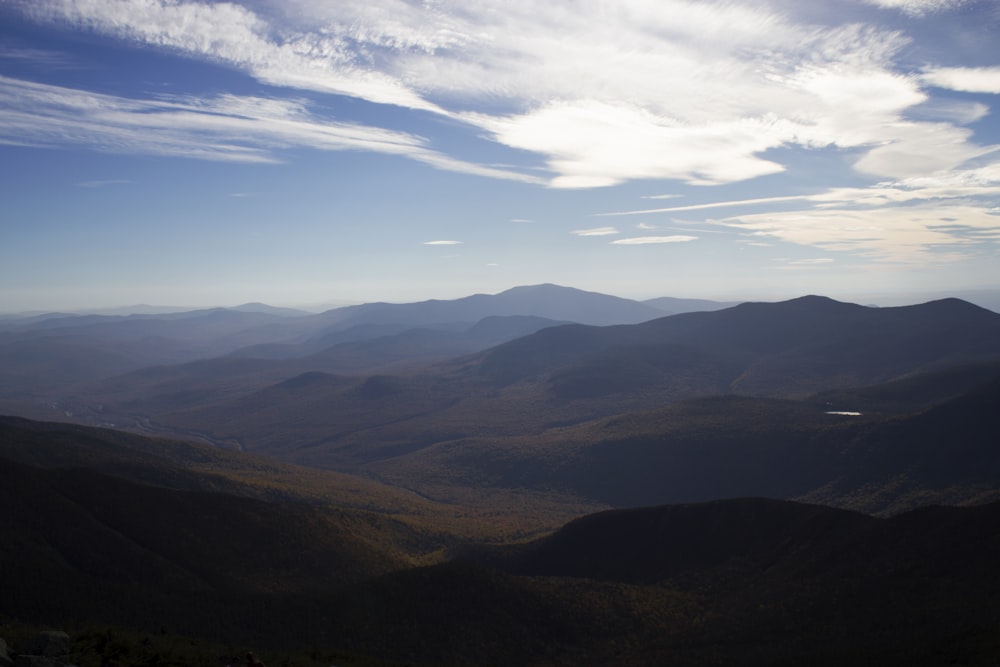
x=569 y=478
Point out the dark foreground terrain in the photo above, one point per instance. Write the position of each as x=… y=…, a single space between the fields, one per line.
x=150 y=547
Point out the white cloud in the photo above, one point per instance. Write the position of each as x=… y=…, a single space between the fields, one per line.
x=918 y=7
x=442 y=242
x=647 y=240
x=229 y=33
x=925 y=233
x=226 y=128
x=603 y=92
x=719 y=204
x=965 y=79
x=929 y=218
x=594 y=144
x=921 y=148
x=597 y=231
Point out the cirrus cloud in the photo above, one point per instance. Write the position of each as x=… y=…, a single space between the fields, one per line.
x=596 y=231
x=693 y=91
x=652 y=240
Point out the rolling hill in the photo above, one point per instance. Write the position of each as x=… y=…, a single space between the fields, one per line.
x=554 y=378
x=747 y=581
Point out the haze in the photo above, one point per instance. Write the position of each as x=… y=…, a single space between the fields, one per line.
x=303 y=152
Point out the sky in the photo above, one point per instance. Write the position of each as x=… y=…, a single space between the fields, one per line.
x=306 y=152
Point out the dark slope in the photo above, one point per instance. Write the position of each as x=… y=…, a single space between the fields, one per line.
x=751 y=582
x=106 y=528
x=649 y=545
x=731 y=446
x=780 y=583
x=791 y=348
x=909 y=394
x=84 y=546
x=947 y=454
x=394 y=514
x=732 y=582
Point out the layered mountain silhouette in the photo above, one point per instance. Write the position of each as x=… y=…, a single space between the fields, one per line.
x=543 y=476
x=43 y=353
x=555 y=377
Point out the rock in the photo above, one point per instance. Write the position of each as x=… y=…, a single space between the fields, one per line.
x=49 y=644
x=36 y=661
x=5 y=660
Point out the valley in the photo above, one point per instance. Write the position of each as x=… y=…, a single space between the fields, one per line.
x=569 y=477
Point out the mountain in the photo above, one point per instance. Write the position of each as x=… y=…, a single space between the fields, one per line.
x=556 y=377
x=791 y=348
x=552 y=302
x=257 y=307
x=548 y=302
x=44 y=354
x=651 y=544
x=673 y=305
x=731 y=446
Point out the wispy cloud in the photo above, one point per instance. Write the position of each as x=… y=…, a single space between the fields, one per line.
x=710 y=205
x=918 y=7
x=38 y=57
x=902 y=234
x=102 y=184
x=442 y=242
x=227 y=128
x=908 y=220
x=815 y=261
x=320 y=60
x=596 y=231
x=647 y=240
x=694 y=91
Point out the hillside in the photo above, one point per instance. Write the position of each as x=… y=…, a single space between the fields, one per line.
x=731 y=446
x=408 y=525
x=557 y=376
x=747 y=581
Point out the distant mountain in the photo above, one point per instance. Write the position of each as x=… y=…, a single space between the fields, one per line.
x=558 y=376
x=549 y=301
x=672 y=305
x=48 y=352
x=791 y=348
x=256 y=307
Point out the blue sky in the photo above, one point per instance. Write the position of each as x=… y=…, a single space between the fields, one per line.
x=317 y=151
